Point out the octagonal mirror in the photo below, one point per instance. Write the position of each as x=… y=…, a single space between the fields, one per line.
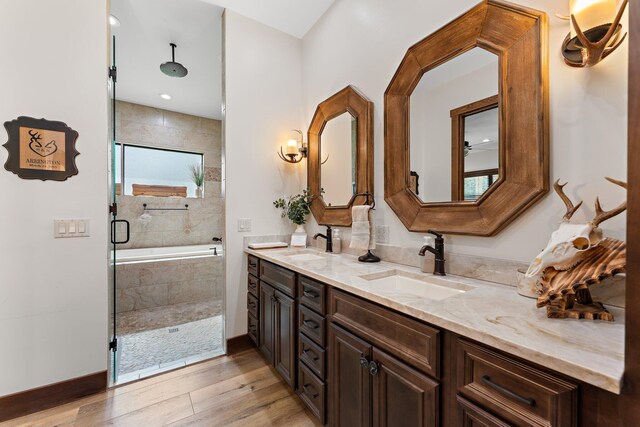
x=455 y=129
x=340 y=163
x=466 y=123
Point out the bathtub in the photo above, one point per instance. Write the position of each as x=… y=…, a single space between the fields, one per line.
x=126 y=256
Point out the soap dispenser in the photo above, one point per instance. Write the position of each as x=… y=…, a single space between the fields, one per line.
x=337 y=241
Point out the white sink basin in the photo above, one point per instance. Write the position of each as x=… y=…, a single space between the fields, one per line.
x=399 y=283
x=305 y=257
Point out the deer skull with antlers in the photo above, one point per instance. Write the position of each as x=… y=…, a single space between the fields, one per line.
x=570 y=243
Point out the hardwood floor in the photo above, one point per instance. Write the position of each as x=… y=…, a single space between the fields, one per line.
x=239 y=390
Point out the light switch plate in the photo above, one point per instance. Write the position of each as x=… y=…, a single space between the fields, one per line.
x=244 y=224
x=382 y=233
x=67 y=228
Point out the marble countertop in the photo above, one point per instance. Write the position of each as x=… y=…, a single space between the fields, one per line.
x=590 y=351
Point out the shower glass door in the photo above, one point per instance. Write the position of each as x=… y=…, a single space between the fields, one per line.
x=119 y=228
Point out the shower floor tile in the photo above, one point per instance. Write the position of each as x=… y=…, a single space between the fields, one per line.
x=149 y=352
x=131 y=322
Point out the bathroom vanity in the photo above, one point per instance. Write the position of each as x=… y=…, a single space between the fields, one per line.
x=367 y=344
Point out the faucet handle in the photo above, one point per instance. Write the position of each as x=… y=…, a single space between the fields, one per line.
x=435 y=233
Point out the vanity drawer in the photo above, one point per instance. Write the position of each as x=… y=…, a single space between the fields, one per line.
x=252 y=328
x=518 y=393
x=253 y=305
x=312 y=392
x=474 y=416
x=280 y=278
x=409 y=340
x=312 y=324
x=253 y=285
x=312 y=294
x=312 y=355
x=253 y=264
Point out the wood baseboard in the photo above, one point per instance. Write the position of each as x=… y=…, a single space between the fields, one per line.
x=45 y=397
x=238 y=344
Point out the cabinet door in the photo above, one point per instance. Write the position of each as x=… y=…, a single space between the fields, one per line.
x=267 y=317
x=285 y=337
x=402 y=396
x=349 y=379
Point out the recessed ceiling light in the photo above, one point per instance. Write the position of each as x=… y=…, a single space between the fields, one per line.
x=115 y=22
x=165 y=96
x=486 y=140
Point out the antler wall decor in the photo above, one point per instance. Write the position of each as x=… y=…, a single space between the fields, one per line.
x=591 y=45
x=576 y=257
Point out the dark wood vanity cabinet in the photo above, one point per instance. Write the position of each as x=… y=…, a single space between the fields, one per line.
x=272 y=316
x=312 y=346
x=267 y=322
x=369 y=385
x=355 y=363
x=514 y=392
x=253 y=300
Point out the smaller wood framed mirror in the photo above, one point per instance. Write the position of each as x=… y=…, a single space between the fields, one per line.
x=340 y=162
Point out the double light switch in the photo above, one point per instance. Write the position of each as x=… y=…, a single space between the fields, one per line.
x=63 y=228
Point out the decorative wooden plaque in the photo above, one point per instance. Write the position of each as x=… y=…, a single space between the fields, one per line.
x=41 y=149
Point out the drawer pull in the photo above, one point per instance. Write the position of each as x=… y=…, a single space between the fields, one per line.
x=311 y=294
x=527 y=401
x=306 y=389
x=308 y=351
x=310 y=324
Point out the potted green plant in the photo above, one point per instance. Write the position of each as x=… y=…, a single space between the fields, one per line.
x=296 y=208
x=197 y=176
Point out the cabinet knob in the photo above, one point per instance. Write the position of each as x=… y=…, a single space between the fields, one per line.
x=364 y=362
x=373 y=368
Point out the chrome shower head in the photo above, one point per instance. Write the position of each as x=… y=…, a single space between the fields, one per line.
x=173 y=68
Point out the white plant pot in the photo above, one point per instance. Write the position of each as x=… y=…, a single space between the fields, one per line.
x=199 y=192
x=299 y=237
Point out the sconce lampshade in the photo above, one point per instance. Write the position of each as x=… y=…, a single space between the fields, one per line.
x=592 y=13
x=295 y=150
x=292 y=147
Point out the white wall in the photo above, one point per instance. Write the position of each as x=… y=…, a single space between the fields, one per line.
x=361 y=42
x=53 y=293
x=262 y=97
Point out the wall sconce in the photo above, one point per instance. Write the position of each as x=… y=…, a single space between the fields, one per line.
x=595 y=31
x=295 y=148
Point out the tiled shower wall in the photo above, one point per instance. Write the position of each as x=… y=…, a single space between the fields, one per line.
x=147 y=126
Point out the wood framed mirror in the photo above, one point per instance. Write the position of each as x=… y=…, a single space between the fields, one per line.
x=466 y=123
x=340 y=162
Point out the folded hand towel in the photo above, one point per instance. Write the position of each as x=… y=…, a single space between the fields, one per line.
x=361 y=229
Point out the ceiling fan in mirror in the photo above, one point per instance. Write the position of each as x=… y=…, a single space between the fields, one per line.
x=468 y=147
